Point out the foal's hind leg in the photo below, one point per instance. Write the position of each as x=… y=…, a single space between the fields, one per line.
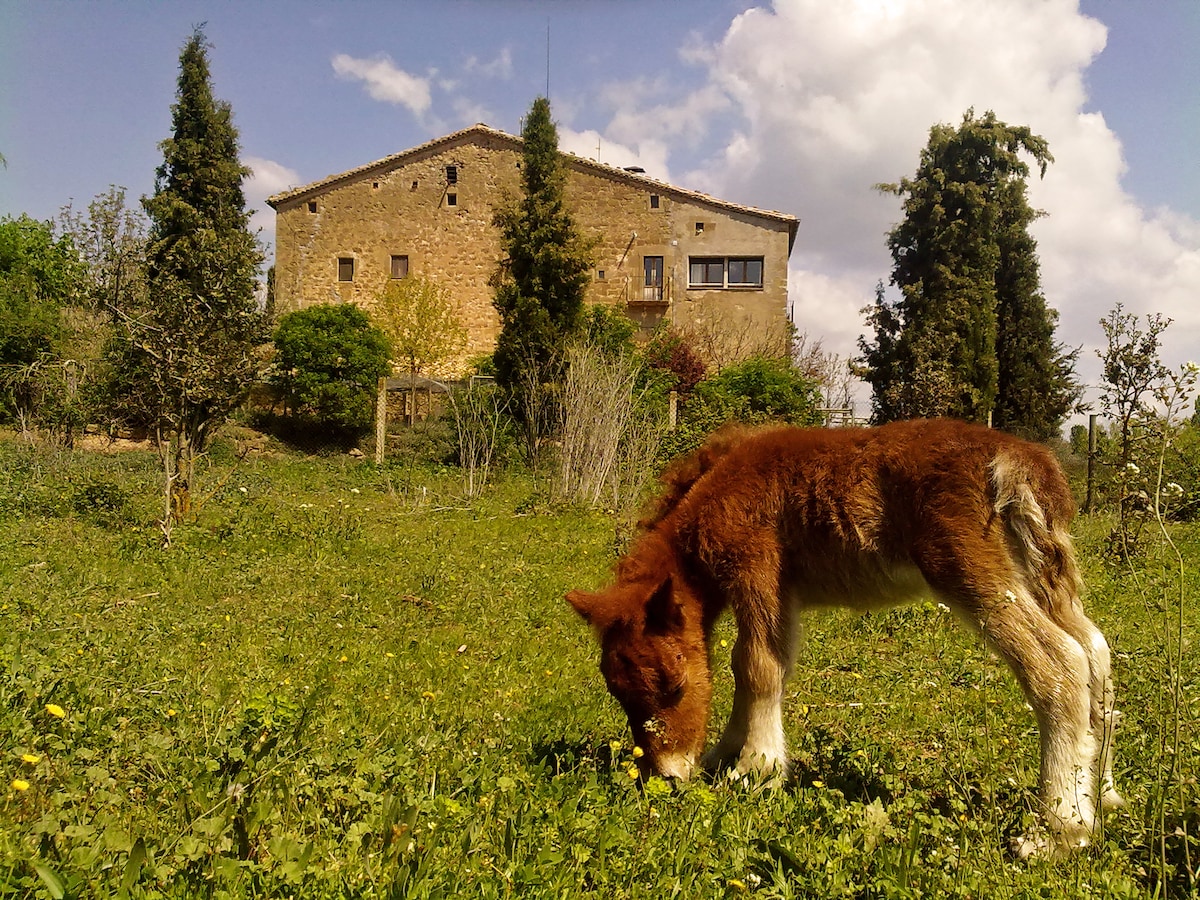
x=1103 y=715
x=1053 y=668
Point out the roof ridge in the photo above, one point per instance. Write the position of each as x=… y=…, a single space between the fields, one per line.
x=571 y=158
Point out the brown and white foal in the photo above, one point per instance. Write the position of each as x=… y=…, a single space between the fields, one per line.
x=765 y=523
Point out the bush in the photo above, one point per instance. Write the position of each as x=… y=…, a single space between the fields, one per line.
x=756 y=392
x=328 y=361
x=671 y=353
x=764 y=389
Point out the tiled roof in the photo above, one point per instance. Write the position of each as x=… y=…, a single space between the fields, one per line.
x=576 y=162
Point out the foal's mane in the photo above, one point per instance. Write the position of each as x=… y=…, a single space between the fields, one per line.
x=685 y=471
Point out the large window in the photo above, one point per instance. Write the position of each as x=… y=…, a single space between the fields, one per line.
x=745 y=272
x=399 y=266
x=716 y=272
x=706 y=271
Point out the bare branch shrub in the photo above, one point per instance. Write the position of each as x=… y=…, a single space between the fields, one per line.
x=724 y=338
x=610 y=434
x=480 y=419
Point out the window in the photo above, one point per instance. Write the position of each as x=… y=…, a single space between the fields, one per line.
x=599 y=274
x=345 y=268
x=375 y=185
x=699 y=228
x=452 y=199
x=312 y=206
x=652 y=281
x=399 y=266
x=745 y=271
x=706 y=271
x=713 y=272
x=451 y=174
x=654 y=201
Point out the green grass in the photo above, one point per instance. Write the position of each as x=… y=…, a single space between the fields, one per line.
x=349 y=682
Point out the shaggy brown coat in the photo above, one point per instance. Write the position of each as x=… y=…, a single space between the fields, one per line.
x=768 y=522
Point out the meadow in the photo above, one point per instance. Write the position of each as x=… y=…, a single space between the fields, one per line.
x=350 y=681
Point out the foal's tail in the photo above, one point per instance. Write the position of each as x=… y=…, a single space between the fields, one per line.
x=685 y=471
x=1033 y=501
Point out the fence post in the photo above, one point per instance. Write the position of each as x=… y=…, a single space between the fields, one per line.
x=380 y=419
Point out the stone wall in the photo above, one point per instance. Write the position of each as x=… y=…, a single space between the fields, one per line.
x=406 y=206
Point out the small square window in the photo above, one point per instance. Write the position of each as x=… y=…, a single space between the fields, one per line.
x=451 y=174
x=375 y=185
x=654 y=201
x=312 y=206
x=699 y=228
x=414 y=185
x=452 y=199
x=399 y=266
x=599 y=274
x=345 y=268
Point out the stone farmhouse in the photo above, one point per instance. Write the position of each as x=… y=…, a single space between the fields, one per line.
x=662 y=253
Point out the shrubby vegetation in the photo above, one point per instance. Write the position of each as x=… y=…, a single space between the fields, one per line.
x=328 y=360
x=347 y=680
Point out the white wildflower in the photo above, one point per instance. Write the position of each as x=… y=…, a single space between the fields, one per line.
x=1132 y=469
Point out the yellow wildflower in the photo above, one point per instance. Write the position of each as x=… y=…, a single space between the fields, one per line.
x=428 y=695
x=638 y=753
x=20 y=784
x=55 y=710
x=32 y=758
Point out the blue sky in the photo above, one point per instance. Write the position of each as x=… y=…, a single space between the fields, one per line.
x=800 y=105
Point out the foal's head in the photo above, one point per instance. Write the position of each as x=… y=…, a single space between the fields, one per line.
x=654 y=658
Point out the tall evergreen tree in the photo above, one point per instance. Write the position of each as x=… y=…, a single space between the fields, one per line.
x=970 y=335
x=192 y=341
x=539 y=286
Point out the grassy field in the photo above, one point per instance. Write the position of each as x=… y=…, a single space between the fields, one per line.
x=343 y=681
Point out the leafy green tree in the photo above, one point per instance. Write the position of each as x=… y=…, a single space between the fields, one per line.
x=328 y=361
x=970 y=335
x=40 y=280
x=422 y=323
x=191 y=340
x=539 y=286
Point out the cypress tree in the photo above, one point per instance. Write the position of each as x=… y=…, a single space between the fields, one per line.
x=193 y=341
x=540 y=283
x=971 y=335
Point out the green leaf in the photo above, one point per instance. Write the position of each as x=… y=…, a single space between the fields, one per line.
x=52 y=880
x=133 y=867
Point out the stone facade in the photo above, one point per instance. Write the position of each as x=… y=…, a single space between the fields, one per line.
x=660 y=250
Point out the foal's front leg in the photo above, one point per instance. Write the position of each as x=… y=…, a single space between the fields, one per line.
x=753 y=740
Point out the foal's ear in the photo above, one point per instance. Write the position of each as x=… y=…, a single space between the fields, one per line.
x=584 y=603
x=663 y=611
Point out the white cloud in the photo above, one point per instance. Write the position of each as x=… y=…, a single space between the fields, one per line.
x=266 y=177
x=815 y=102
x=500 y=68
x=650 y=155
x=385 y=81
